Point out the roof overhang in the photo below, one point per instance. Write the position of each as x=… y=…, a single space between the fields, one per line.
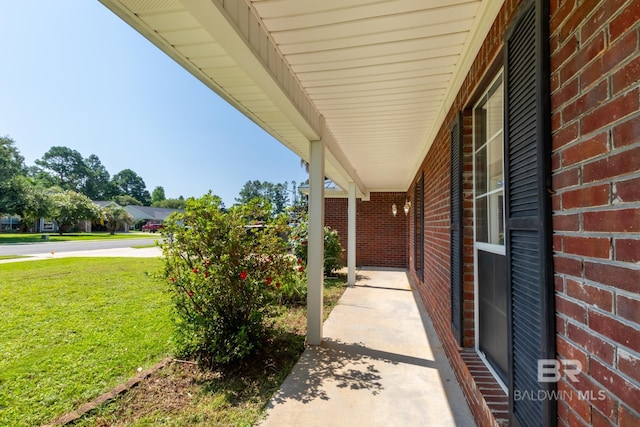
x=373 y=79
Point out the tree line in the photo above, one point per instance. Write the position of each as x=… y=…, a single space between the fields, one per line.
x=62 y=183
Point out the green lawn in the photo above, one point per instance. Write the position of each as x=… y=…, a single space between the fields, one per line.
x=72 y=329
x=8 y=238
x=3 y=257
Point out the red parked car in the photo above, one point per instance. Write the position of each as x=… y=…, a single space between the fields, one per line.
x=151 y=227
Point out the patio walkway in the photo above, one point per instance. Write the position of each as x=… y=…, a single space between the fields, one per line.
x=380 y=364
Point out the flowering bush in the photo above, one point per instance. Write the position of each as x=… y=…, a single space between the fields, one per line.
x=225 y=272
x=294 y=292
x=332 y=247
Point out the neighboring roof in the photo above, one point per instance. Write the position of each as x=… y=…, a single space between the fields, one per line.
x=374 y=80
x=149 y=212
x=104 y=203
x=330 y=189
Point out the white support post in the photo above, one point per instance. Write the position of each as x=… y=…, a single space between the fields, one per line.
x=351 y=236
x=315 y=244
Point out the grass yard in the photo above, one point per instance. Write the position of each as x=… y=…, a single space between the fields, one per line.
x=74 y=328
x=8 y=238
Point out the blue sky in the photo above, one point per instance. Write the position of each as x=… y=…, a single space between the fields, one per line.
x=74 y=74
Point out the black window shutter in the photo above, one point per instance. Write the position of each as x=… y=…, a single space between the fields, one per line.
x=456 y=231
x=528 y=214
x=418 y=223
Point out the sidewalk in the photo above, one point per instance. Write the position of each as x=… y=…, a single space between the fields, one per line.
x=153 y=252
x=380 y=364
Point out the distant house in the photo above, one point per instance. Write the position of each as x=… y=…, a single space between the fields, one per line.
x=10 y=223
x=149 y=214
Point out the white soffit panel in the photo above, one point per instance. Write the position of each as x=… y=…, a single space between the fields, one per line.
x=375 y=77
x=378 y=71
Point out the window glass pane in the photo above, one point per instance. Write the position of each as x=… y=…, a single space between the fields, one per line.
x=494 y=109
x=480 y=173
x=495 y=218
x=479 y=122
x=488 y=165
x=495 y=163
x=482 y=232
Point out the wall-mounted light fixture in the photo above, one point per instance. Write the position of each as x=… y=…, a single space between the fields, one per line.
x=407 y=206
x=394 y=209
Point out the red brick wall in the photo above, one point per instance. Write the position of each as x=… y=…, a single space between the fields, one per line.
x=381 y=238
x=596 y=179
x=335 y=216
x=435 y=290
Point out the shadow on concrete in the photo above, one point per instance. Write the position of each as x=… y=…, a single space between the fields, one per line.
x=384 y=288
x=347 y=365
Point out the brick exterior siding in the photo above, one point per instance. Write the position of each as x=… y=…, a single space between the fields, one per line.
x=595 y=60
x=381 y=238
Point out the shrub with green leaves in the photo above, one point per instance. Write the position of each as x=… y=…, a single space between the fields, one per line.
x=225 y=270
x=332 y=248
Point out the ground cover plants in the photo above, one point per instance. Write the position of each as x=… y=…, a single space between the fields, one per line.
x=186 y=395
x=73 y=328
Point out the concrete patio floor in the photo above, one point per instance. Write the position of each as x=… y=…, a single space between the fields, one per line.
x=380 y=364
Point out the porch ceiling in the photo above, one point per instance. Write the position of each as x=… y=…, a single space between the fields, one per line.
x=373 y=78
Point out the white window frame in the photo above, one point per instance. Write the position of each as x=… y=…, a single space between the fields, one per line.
x=487 y=247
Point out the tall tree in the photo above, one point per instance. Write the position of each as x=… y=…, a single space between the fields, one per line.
x=126 y=200
x=157 y=195
x=11 y=167
x=275 y=194
x=66 y=166
x=69 y=207
x=116 y=217
x=130 y=183
x=171 y=204
x=11 y=162
x=40 y=177
x=98 y=185
x=299 y=204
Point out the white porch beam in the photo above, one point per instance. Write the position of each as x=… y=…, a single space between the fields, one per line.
x=315 y=244
x=351 y=236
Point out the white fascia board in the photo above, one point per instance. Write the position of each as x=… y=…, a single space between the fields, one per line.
x=150 y=34
x=339 y=160
x=221 y=27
